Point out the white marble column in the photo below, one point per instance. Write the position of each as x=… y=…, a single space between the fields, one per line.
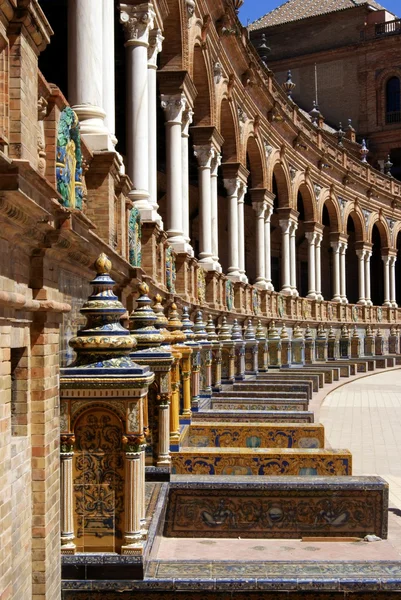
x=155 y=46
x=174 y=106
x=85 y=71
x=393 y=296
x=216 y=162
x=311 y=237
x=108 y=74
x=268 y=260
x=260 y=209
x=318 y=266
x=232 y=186
x=286 y=226
x=343 y=285
x=241 y=232
x=386 y=268
x=186 y=122
x=361 y=276
x=293 y=259
x=336 y=271
x=133 y=503
x=163 y=455
x=205 y=155
x=368 y=299
x=66 y=499
x=137 y=22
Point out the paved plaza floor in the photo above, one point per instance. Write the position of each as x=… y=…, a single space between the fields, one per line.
x=364 y=416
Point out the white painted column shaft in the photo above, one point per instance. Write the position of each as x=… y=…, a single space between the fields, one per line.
x=368 y=255
x=216 y=162
x=386 y=268
x=343 y=285
x=260 y=209
x=361 y=276
x=205 y=155
x=311 y=238
x=336 y=271
x=393 y=295
x=186 y=122
x=241 y=232
x=155 y=46
x=293 y=259
x=286 y=226
x=268 y=265
x=318 y=266
x=232 y=187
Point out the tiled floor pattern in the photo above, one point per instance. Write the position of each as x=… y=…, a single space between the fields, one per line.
x=365 y=417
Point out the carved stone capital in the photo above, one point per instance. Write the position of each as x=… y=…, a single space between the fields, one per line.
x=137 y=22
x=259 y=208
x=187 y=118
x=232 y=186
x=205 y=154
x=155 y=46
x=216 y=162
x=173 y=106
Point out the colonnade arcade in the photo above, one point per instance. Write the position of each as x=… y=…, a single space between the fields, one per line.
x=225 y=184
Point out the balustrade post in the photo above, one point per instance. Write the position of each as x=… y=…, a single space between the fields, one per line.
x=67 y=495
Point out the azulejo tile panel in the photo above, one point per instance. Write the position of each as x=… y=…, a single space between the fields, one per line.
x=248 y=404
x=246 y=416
x=340 y=509
x=245 y=461
x=258 y=435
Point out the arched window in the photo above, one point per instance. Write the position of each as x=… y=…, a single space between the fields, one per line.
x=393 y=100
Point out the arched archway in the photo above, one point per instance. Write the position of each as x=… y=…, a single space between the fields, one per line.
x=306 y=221
x=255 y=181
x=331 y=221
x=376 y=265
x=281 y=190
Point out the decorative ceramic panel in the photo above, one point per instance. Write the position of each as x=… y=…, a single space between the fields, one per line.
x=69 y=160
x=134 y=238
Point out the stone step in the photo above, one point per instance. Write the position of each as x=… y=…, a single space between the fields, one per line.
x=347 y=369
x=253 y=416
x=276 y=507
x=297 y=378
x=259 y=403
x=261 y=461
x=255 y=435
x=331 y=374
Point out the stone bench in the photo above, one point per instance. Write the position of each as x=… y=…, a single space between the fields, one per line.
x=276 y=507
x=265 y=386
x=252 y=416
x=267 y=395
x=261 y=461
x=257 y=403
x=255 y=435
x=331 y=374
x=298 y=378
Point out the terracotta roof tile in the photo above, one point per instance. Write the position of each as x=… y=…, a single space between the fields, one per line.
x=294 y=10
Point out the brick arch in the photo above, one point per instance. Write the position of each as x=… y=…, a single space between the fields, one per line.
x=385 y=237
x=396 y=233
x=229 y=131
x=359 y=223
x=279 y=170
x=204 y=108
x=381 y=84
x=302 y=187
x=256 y=162
x=331 y=203
x=174 y=43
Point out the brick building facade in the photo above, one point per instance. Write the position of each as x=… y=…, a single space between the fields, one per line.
x=353 y=54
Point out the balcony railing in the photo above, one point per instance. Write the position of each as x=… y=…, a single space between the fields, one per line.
x=388 y=28
x=393 y=117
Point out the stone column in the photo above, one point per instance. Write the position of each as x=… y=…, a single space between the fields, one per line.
x=186 y=122
x=85 y=70
x=67 y=495
x=108 y=74
x=205 y=155
x=393 y=297
x=336 y=271
x=286 y=226
x=293 y=259
x=268 y=262
x=216 y=162
x=368 y=255
x=232 y=186
x=155 y=46
x=386 y=267
x=318 y=266
x=343 y=287
x=137 y=22
x=163 y=454
x=311 y=237
x=260 y=209
x=241 y=232
x=173 y=106
x=133 y=502
x=361 y=276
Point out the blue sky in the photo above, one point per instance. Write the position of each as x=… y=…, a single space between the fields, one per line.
x=253 y=9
